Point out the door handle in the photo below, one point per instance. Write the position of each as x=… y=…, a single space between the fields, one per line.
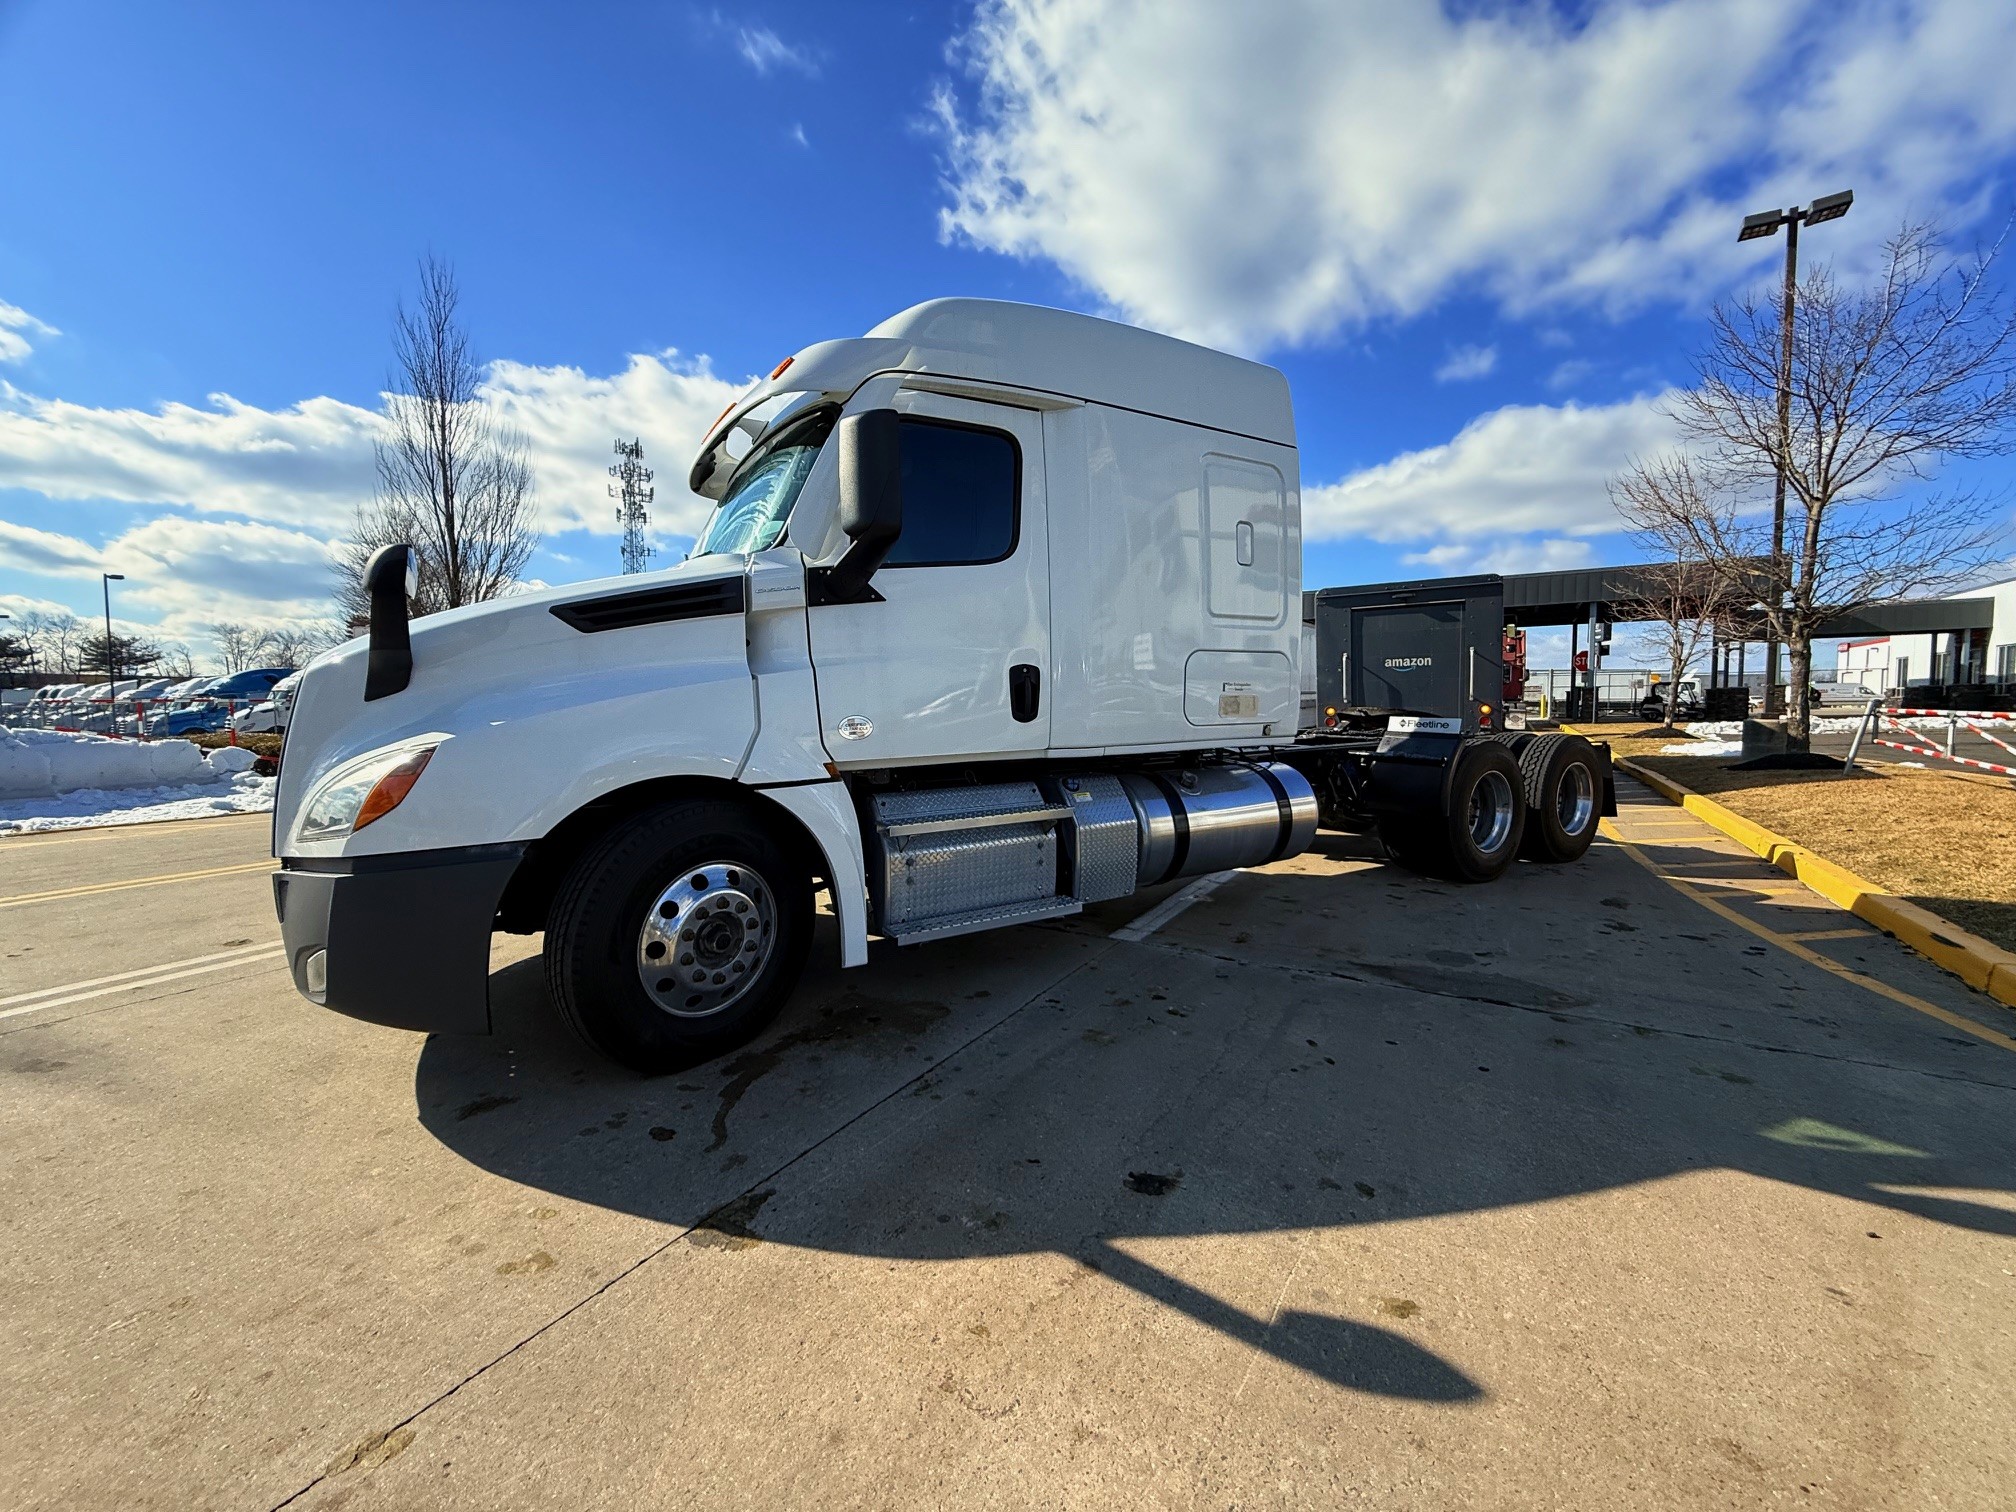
x=1025 y=692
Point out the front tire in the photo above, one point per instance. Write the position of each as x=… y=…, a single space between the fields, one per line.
x=679 y=936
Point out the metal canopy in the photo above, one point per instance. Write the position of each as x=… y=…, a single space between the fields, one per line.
x=1913 y=617
x=1570 y=598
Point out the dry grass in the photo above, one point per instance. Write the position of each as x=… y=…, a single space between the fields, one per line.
x=1946 y=841
x=258 y=745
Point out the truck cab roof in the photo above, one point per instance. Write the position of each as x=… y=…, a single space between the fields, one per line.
x=999 y=343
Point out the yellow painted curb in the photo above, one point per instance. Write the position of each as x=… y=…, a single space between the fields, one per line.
x=1985 y=967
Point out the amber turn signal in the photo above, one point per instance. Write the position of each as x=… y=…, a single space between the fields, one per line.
x=389 y=791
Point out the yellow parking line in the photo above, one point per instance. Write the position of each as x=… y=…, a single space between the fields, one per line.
x=104 y=887
x=1746 y=884
x=1812 y=957
x=11 y=843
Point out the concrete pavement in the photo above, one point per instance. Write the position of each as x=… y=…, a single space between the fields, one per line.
x=1645 y=1182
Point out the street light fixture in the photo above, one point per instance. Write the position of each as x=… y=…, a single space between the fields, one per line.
x=111 y=667
x=1766 y=223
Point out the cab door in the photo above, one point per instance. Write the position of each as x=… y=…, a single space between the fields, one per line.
x=950 y=657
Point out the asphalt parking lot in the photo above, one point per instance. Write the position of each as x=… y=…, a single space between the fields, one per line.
x=1654 y=1181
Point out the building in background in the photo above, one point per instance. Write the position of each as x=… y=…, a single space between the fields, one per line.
x=1964 y=658
x=1942 y=659
x=1865 y=663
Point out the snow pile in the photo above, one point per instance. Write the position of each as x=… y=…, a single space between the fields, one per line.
x=1703 y=748
x=234 y=793
x=44 y=763
x=232 y=760
x=1722 y=729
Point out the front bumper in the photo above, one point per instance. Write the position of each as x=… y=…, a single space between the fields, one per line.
x=401 y=940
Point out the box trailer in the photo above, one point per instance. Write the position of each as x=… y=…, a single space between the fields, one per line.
x=998 y=615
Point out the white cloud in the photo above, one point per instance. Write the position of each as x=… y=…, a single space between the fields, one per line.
x=1527 y=554
x=16 y=327
x=189 y=572
x=1513 y=473
x=247 y=500
x=44 y=551
x=1569 y=373
x=573 y=420
x=307 y=464
x=1247 y=175
x=310 y=464
x=18 y=604
x=1467 y=362
x=766 y=52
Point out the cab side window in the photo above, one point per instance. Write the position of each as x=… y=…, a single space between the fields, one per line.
x=962 y=494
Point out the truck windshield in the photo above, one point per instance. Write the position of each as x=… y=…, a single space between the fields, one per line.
x=752 y=514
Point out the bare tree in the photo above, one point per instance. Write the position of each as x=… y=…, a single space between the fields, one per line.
x=1888 y=382
x=54 y=636
x=453 y=481
x=242 y=646
x=1681 y=594
x=235 y=645
x=292 y=645
x=176 y=660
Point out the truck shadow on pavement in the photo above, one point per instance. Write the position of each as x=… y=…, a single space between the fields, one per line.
x=1173 y=1087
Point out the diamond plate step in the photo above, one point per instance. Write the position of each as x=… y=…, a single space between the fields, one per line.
x=1034 y=814
x=920 y=930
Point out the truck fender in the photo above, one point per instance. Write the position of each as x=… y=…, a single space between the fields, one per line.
x=1410 y=774
x=825 y=810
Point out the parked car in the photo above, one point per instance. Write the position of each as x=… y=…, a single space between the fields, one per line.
x=200 y=716
x=258 y=719
x=254 y=683
x=215 y=703
x=180 y=699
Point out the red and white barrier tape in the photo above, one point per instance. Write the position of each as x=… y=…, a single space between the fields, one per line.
x=1954 y=720
x=1948 y=714
x=1917 y=750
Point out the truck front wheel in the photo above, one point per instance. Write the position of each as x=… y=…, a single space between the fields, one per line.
x=1480 y=835
x=678 y=936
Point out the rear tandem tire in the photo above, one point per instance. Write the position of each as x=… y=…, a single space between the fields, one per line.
x=696 y=886
x=1481 y=834
x=1564 y=797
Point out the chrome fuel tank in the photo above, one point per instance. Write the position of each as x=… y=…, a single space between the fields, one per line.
x=1198 y=820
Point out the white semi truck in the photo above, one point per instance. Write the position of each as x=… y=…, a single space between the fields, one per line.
x=998 y=614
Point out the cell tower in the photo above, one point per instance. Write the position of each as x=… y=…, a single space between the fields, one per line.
x=634 y=489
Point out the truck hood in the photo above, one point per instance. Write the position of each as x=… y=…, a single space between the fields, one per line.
x=512 y=679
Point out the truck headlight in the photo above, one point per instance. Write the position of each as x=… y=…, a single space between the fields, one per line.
x=362 y=791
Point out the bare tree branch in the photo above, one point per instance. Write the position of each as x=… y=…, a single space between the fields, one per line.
x=1888 y=383
x=453 y=482
x=1681 y=590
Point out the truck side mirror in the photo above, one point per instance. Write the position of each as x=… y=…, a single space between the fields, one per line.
x=871 y=499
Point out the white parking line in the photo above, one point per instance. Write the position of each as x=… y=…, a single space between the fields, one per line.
x=126 y=981
x=1173 y=905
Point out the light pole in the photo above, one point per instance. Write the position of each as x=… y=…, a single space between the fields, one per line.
x=111 y=667
x=1766 y=223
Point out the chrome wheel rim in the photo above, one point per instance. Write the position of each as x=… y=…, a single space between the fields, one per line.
x=706 y=939
x=1491 y=813
x=1575 y=799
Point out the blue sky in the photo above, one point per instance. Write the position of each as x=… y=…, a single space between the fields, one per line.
x=1478 y=238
